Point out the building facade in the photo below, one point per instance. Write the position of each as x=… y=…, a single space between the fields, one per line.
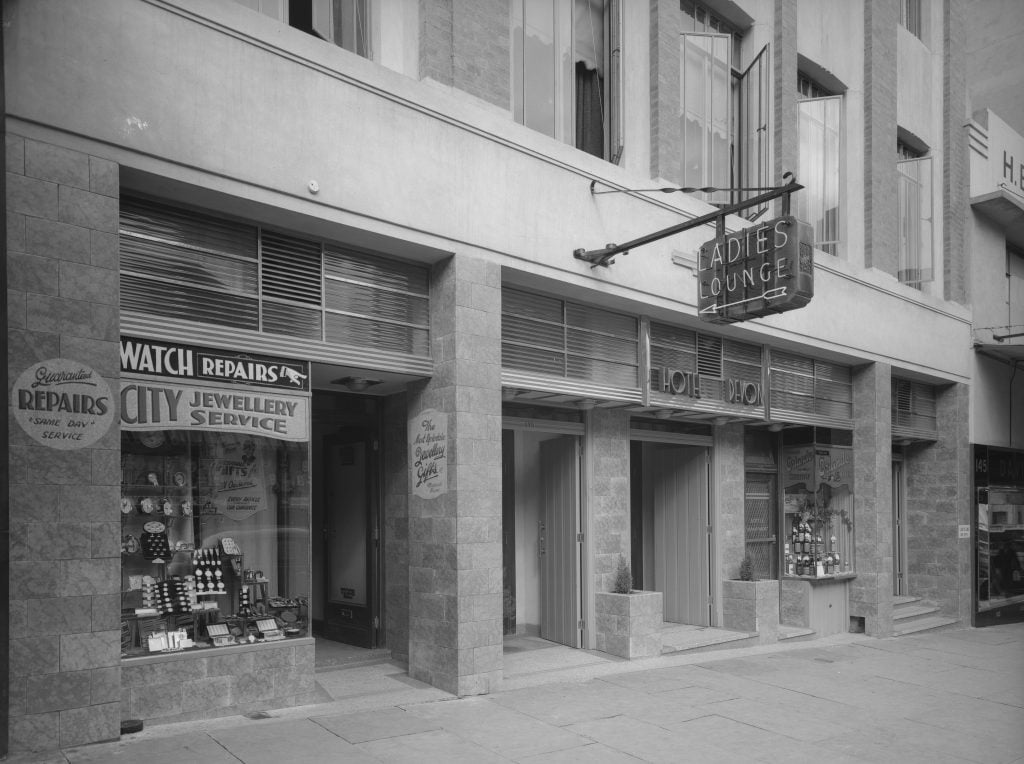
x=995 y=224
x=307 y=335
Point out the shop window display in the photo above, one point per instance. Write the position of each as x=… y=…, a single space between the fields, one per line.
x=818 y=519
x=215 y=539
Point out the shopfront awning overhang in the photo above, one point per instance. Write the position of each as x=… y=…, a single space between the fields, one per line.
x=1005 y=208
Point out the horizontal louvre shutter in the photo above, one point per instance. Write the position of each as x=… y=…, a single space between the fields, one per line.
x=186 y=265
x=811 y=388
x=913 y=405
x=291 y=269
x=292 y=320
x=352 y=330
x=546 y=335
x=346 y=297
x=375 y=271
x=173 y=301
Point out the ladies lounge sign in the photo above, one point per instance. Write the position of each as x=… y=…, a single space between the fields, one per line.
x=768 y=268
x=63 y=404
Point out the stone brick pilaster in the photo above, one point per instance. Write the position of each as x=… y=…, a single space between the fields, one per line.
x=455 y=566
x=881 y=250
x=955 y=159
x=785 y=132
x=728 y=496
x=396 y=528
x=666 y=130
x=65 y=555
x=466 y=44
x=871 y=592
x=937 y=501
x=607 y=465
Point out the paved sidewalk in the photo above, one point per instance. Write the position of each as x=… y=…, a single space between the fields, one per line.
x=947 y=696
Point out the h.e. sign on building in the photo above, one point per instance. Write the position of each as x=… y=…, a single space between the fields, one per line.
x=768 y=268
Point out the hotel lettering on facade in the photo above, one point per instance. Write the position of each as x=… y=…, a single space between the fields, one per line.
x=361 y=389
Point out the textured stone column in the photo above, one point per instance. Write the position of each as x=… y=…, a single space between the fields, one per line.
x=607 y=484
x=455 y=573
x=785 y=132
x=937 y=501
x=881 y=20
x=65 y=570
x=728 y=496
x=396 y=528
x=871 y=592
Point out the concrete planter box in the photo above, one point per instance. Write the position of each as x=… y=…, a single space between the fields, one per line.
x=752 y=606
x=629 y=625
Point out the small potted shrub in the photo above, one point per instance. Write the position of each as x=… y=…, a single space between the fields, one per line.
x=628 y=621
x=751 y=605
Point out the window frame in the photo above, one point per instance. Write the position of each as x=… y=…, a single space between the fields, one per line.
x=809 y=93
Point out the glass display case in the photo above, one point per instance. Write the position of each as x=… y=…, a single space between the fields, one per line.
x=214 y=540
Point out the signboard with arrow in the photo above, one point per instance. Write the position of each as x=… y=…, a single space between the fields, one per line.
x=767 y=268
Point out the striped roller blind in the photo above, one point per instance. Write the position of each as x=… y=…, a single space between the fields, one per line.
x=810 y=391
x=546 y=335
x=913 y=408
x=187 y=265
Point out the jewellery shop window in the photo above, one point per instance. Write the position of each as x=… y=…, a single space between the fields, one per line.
x=817 y=479
x=215 y=540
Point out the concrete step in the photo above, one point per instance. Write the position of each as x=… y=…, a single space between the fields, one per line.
x=908 y=612
x=905 y=599
x=923 y=624
x=795 y=633
x=678 y=638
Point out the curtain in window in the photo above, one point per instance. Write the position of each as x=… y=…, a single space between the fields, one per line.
x=589 y=114
x=818 y=203
x=706 y=81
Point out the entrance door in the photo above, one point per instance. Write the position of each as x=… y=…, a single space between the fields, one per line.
x=899 y=541
x=351 y=540
x=559 y=543
x=678 y=476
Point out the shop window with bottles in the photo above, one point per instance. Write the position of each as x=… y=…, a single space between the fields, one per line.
x=215 y=539
x=818 y=517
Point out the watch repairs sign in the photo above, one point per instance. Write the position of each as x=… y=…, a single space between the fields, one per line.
x=173 y=359
x=768 y=268
x=63 y=404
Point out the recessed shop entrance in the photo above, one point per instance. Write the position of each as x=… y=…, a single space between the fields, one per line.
x=670 y=527
x=542 y=543
x=346 y=537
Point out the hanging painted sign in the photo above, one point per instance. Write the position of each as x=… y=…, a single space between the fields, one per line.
x=173 y=359
x=768 y=268
x=169 y=406
x=63 y=404
x=428 y=454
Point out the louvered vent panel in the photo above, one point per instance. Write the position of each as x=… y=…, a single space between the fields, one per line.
x=787 y=362
x=741 y=361
x=188 y=303
x=291 y=269
x=913 y=405
x=365 y=332
x=525 y=331
x=376 y=271
x=142 y=217
x=709 y=356
x=662 y=355
x=292 y=320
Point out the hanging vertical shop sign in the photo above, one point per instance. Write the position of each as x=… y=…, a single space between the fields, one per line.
x=63 y=404
x=428 y=454
x=768 y=268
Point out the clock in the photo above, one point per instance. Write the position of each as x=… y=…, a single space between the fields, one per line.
x=151 y=438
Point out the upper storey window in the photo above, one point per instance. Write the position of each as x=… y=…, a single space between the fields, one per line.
x=346 y=23
x=565 y=57
x=820 y=131
x=723 y=109
x=914 y=194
